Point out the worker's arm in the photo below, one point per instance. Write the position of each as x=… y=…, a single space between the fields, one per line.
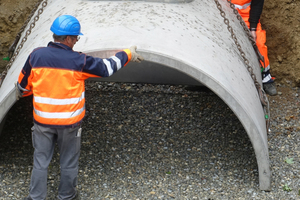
x=23 y=86
x=109 y=66
x=255 y=12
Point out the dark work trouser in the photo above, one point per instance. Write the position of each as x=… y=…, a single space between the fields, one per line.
x=43 y=140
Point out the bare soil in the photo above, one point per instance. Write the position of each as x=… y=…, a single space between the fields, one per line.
x=13 y=14
x=280 y=18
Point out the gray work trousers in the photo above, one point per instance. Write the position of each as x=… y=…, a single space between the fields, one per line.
x=43 y=140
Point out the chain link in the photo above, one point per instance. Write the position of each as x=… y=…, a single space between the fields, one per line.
x=262 y=95
x=13 y=51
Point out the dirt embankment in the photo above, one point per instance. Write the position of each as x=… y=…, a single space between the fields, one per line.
x=13 y=14
x=280 y=18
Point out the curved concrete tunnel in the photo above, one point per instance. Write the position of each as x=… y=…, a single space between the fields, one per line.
x=182 y=43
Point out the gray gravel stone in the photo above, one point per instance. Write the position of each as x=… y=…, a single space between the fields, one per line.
x=143 y=141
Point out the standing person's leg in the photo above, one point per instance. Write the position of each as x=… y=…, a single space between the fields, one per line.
x=267 y=80
x=260 y=42
x=43 y=141
x=69 y=146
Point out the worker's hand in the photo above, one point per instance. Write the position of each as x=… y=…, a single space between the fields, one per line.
x=18 y=92
x=135 y=57
x=253 y=33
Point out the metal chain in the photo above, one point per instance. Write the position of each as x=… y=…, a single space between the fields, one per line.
x=262 y=95
x=12 y=49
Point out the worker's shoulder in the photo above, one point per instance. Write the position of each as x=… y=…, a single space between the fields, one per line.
x=37 y=48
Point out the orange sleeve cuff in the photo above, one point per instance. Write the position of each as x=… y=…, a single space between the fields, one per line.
x=128 y=52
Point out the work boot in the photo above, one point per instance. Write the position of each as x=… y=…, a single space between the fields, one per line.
x=270 y=88
x=77 y=197
x=27 y=198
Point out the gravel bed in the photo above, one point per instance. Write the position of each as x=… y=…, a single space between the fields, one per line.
x=143 y=141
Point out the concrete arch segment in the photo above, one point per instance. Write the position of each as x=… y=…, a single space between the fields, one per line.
x=254 y=126
x=190 y=40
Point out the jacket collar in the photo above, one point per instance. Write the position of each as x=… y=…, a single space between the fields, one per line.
x=59 y=45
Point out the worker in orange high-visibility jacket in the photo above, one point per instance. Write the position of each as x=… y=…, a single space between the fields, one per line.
x=55 y=76
x=250 y=11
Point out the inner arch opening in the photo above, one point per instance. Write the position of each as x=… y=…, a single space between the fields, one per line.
x=147 y=72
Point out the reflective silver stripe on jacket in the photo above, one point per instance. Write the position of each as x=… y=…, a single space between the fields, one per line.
x=241 y=7
x=108 y=67
x=59 y=115
x=118 y=61
x=108 y=64
x=51 y=101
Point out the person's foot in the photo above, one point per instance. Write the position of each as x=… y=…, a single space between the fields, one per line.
x=27 y=198
x=77 y=197
x=270 y=88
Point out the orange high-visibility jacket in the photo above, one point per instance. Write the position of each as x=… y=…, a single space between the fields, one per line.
x=55 y=76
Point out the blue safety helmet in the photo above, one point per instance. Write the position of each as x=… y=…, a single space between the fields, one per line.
x=66 y=25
